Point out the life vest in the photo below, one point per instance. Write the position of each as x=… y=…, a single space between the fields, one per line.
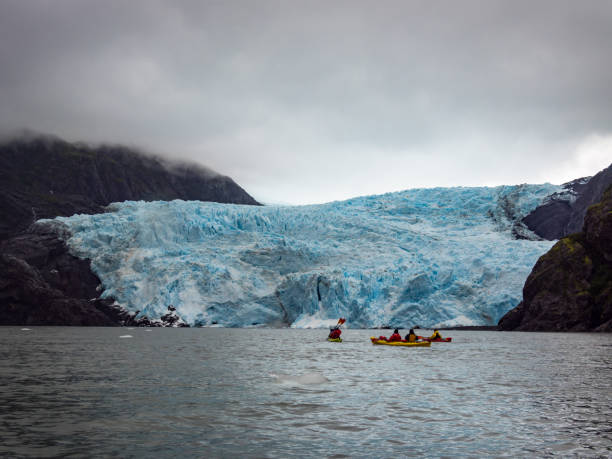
x=395 y=337
x=411 y=338
x=436 y=335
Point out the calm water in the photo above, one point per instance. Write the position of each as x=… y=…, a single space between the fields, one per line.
x=260 y=393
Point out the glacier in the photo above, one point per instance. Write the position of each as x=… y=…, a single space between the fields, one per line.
x=420 y=257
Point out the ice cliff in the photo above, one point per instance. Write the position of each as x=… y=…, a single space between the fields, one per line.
x=443 y=256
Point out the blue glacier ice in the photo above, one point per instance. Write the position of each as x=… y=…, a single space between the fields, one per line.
x=428 y=257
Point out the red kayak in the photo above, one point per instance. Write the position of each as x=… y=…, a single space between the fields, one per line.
x=437 y=340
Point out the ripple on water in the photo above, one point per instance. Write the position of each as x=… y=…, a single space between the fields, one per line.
x=178 y=392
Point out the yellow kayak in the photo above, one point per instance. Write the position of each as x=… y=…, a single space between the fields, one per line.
x=399 y=343
x=335 y=340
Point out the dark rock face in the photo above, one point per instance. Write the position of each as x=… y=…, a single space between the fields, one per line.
x=564 y=213
x=598 y=226
x=172 y=319
x=570 y=287
x=42 y=284
x=46 y=177
x=550 y=219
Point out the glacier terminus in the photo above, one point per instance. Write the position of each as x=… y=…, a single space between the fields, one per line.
x=421 y=257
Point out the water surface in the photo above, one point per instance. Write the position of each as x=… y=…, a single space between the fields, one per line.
x=279 y=393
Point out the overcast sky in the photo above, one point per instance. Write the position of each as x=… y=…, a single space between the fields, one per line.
x=314 y=101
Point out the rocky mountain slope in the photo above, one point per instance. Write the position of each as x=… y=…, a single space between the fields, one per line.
x=563 y=213
x=570 y=287
x=42 y=284
x=45 y=177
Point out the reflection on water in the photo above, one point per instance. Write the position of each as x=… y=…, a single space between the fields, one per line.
x=279 y=393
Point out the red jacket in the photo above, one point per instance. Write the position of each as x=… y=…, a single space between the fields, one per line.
x=335 y=333
x=395 y=337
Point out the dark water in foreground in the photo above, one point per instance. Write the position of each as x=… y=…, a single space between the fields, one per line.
x=210 y=393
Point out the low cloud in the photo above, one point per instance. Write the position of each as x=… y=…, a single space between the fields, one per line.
x=315 y=101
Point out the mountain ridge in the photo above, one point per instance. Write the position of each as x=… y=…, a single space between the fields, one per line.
x=45 y=177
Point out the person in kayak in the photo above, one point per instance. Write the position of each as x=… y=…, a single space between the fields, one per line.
x=411 y=337
x=395 y=336
x=436 y=334
x=334 y=333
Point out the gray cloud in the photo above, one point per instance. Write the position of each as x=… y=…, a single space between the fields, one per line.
x=313 y=101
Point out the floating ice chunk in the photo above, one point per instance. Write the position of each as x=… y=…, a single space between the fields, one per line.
x=26 y=329
x=305 y=379
x=126 y=336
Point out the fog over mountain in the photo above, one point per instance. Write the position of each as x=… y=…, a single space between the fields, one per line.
x=314 y=101
x=44 y=176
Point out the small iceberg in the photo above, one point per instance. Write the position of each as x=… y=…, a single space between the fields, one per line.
x=126 y=336
x=26 y=329
x=305 y=379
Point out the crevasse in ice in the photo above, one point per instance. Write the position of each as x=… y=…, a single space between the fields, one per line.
x=423 y=257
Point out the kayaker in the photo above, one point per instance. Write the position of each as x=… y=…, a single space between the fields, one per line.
x=436 y=334
x=334 y=333
x=411 y=337
x=395 y=336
